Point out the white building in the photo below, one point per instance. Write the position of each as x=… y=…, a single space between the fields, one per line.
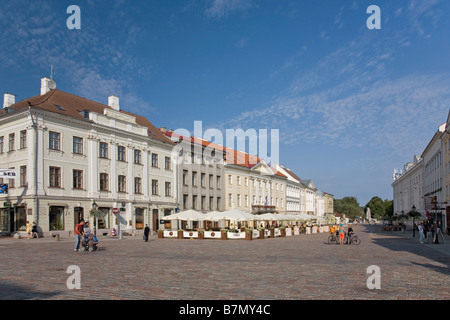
x=408 y=187
x=70 y=152
x=433 y=176
x=292 y=190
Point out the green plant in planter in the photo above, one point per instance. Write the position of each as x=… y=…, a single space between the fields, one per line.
x=201 y=231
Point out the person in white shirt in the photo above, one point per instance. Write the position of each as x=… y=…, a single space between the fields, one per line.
x=422 y=236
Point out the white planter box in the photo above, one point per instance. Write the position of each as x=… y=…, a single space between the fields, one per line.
x=296 y=231
x=314 y=229
x=190 y=234
x=288 y=232
x=236 y=235
x=277 y=232
x=212 y=235
x=170 y=234
x=308 y=230
x=255 y=234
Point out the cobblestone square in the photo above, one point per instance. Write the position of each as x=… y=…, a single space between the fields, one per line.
x=292 y=268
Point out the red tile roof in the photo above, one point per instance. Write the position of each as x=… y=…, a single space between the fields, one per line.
x=231 y=156
x=67 y=104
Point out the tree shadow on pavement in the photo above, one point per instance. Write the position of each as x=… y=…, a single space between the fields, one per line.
x=398 y=242
x=11 y=291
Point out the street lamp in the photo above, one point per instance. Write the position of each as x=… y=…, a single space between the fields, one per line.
x=414 y=216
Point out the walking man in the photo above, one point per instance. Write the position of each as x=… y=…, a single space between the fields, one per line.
x=78 y=233
x=146 y=232
x=421 y=232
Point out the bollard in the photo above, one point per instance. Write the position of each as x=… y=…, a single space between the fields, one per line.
x=120 y=234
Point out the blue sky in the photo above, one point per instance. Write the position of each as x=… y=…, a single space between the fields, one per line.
x=351 y=103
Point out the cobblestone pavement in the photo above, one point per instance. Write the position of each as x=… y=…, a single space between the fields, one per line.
x=291 y=268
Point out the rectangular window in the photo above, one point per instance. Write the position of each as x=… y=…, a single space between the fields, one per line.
x=55 y=177
x=12 y=139
x=203 y=203
x=104 y=182
x=137 y=156
x=168 y=189
x=54 y=141
x=77 y=145
x=154 y=160
x=122 y=186
x=185 y=177
x=219 y=202
x=211 y=203
x=185 y=201
x=155 y=187
x=230 y=179
x=12 y=182
x=230 y=200
x=202 y=180
x=121 y=153
x=137 y=185
x=194 y=202
x=77 y=179
x=194 y=178
x=218 y=183
x=211 y=181
x=23 y=176
x=167 y=163
x=23 y=139
x=246 y=200
x=239 y=200
x=103 y=151
x=2 y=141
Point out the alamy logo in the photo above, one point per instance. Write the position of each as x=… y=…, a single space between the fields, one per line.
x=74 y=21
x=374 y=281
x=74 y=281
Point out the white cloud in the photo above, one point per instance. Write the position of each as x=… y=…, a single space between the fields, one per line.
x=221 y=8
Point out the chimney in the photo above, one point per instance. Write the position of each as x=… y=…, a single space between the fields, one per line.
x=163 y=129
x=8 y=100
x=113 y=102
x=47 y=85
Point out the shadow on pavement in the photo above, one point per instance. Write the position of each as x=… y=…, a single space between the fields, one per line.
x=399 y=242
x=15 y=292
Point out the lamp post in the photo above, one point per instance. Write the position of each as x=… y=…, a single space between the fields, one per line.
x=414 y=216
x=95 y=207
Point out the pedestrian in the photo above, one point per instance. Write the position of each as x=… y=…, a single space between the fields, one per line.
x=436 y=233
x=341 y=234
x=146 y=232
x=78 y=233
x=28 y=228
x=349 y=234
x=421 y=233
x=34 y=231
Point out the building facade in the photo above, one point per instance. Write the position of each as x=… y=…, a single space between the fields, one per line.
x=408 y=187
x=256 y=188
x=70 y=152
x=199 y=182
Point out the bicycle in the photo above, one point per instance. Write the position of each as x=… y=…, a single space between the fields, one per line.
x=333 y=239
x=354 y=240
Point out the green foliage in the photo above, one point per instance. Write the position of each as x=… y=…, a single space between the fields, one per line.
x=380 y=208
x=348 y=206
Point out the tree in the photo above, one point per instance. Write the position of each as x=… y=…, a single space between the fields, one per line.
x=380 y=208
x=348 y=206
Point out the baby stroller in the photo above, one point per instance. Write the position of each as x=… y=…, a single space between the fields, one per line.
x=89 y=243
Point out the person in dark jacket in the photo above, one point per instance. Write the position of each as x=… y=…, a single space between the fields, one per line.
x=146 y=232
